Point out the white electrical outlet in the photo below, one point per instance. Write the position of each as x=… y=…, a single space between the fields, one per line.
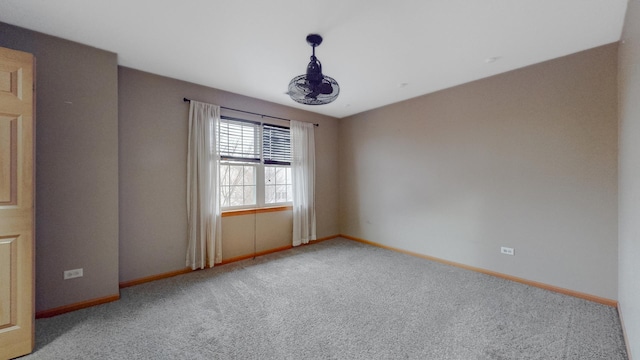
x=507 y=250
x=70 y=274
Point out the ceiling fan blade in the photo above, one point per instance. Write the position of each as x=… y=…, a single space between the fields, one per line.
x=312 y=95
x=325 y=88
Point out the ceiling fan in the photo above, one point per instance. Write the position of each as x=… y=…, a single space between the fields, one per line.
x=313 y=88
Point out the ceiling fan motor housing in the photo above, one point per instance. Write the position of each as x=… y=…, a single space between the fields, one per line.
x=314 y=71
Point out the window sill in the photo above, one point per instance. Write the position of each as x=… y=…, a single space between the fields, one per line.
x=256 y=210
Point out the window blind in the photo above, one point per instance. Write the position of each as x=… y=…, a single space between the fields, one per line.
x=239 y=140
x=276 y=142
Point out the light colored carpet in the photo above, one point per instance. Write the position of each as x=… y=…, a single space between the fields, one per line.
x=337 y=299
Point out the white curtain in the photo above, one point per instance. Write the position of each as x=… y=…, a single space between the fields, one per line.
x=303 y=173
x=203 y=188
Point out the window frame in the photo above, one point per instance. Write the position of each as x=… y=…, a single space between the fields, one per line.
x=260 y=166
x=256 y=172
x=287 y=185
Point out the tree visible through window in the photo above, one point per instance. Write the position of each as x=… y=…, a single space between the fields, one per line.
x=237 y=184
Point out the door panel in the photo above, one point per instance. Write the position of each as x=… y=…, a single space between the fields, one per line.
x=8 y=159
x=8 y=283
x=16 y=204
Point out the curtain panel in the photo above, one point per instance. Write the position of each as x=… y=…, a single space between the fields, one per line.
x=303 y=173
x=203 y=188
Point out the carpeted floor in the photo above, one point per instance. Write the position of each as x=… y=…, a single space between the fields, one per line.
x=337 y=299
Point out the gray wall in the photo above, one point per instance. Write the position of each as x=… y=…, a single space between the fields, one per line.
x=153 y=149
x=525 y=159
x=76 y=167
x=629 y=195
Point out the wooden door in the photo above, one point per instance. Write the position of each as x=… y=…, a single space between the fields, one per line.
x=16 y=203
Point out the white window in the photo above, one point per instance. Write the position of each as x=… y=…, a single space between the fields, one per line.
x=237 y=184
x=277 y=184
x=254 y=164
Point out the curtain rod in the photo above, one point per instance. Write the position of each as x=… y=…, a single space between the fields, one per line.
x=249 y=112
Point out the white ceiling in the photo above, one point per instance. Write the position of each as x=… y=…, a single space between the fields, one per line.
x=380 y=51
